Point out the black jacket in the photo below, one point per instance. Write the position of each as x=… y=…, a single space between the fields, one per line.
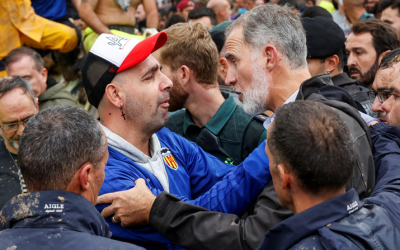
x=194 y=227
x=360 y=94
x=54 y=220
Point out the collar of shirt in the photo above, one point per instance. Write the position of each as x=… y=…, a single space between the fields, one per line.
x=292 y=230
x=220 y=118
x=366 y=16
x=270 y=119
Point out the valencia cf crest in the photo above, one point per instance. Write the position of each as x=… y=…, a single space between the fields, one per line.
x=169 y=159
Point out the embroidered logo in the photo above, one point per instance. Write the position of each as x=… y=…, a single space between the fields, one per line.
x=351 y=208
x=118 y=41
x=169 y=159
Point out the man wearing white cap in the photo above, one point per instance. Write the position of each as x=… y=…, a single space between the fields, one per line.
x=131 y=93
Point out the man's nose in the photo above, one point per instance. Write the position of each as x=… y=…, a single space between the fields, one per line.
x=230 y=79
x=351 y=60
x=166 y=83
x=376 y=105
x=387 y=105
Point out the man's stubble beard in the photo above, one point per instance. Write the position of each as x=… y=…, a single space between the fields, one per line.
x=255 y=99
x=138 y=115
x=367 y=78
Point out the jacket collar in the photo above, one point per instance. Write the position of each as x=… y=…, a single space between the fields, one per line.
x=292 y=230
x=343 y=79
x=311 y=85
x=220 y=118
x=53 y=209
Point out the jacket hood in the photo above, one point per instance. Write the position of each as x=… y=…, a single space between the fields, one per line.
x=53 y=209
x=120 y=145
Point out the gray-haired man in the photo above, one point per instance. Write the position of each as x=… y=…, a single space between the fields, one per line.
x=17 y=105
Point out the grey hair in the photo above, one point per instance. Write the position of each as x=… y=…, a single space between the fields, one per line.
x=277 y=25
x=9 y=83
x=56 y=143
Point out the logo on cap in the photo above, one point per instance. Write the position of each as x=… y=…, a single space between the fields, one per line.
x=118 y=41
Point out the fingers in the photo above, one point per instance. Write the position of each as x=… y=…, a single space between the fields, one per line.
x=110 y=210
x=107 y=198
x=140 y=182
x=115 y=219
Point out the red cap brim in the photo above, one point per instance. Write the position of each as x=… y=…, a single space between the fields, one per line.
x=143 y=49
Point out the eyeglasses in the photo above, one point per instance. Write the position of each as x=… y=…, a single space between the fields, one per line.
x=12 y=127
x=383 y=95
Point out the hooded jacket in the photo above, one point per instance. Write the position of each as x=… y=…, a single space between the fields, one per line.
x=54 y=220
x=193 y=175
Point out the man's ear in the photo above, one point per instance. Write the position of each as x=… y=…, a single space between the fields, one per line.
x=115 y=94
x=223 y=67
x=285 y=176
x=270 y=57
x=44 y=74
x=184 y=75
x=382 y=55
x=331 y=63
x=84 y=175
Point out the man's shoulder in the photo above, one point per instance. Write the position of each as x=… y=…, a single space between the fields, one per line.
x=311 y=242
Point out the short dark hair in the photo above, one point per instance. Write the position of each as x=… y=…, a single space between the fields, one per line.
x=384 y=36
x=16 y=54
x=394 y=4
x=390 y=59
x=56 y=143
x=9 y=83
x=174 y=19
x=315 y=143
x=202 y=12
x=316 y=11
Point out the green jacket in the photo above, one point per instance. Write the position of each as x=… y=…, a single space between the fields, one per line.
x=239 y=133
x=56 y=95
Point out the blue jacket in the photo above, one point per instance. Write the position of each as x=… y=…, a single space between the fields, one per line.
x=54 y=220
x=199 y=179
x=345 y=222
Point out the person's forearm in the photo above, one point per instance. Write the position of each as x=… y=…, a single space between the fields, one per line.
x=150 y=7
x=76 y=3
x=88 y=15
x=239 y=187
x=152 y=19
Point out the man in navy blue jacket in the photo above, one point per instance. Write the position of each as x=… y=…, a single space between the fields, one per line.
x=62 y=159
x=310 y=181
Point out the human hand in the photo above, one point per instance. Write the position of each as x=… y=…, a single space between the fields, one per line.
x=368 y=119
x=131 y=207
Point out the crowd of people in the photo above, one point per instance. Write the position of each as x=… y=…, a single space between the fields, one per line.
x=209 y=124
